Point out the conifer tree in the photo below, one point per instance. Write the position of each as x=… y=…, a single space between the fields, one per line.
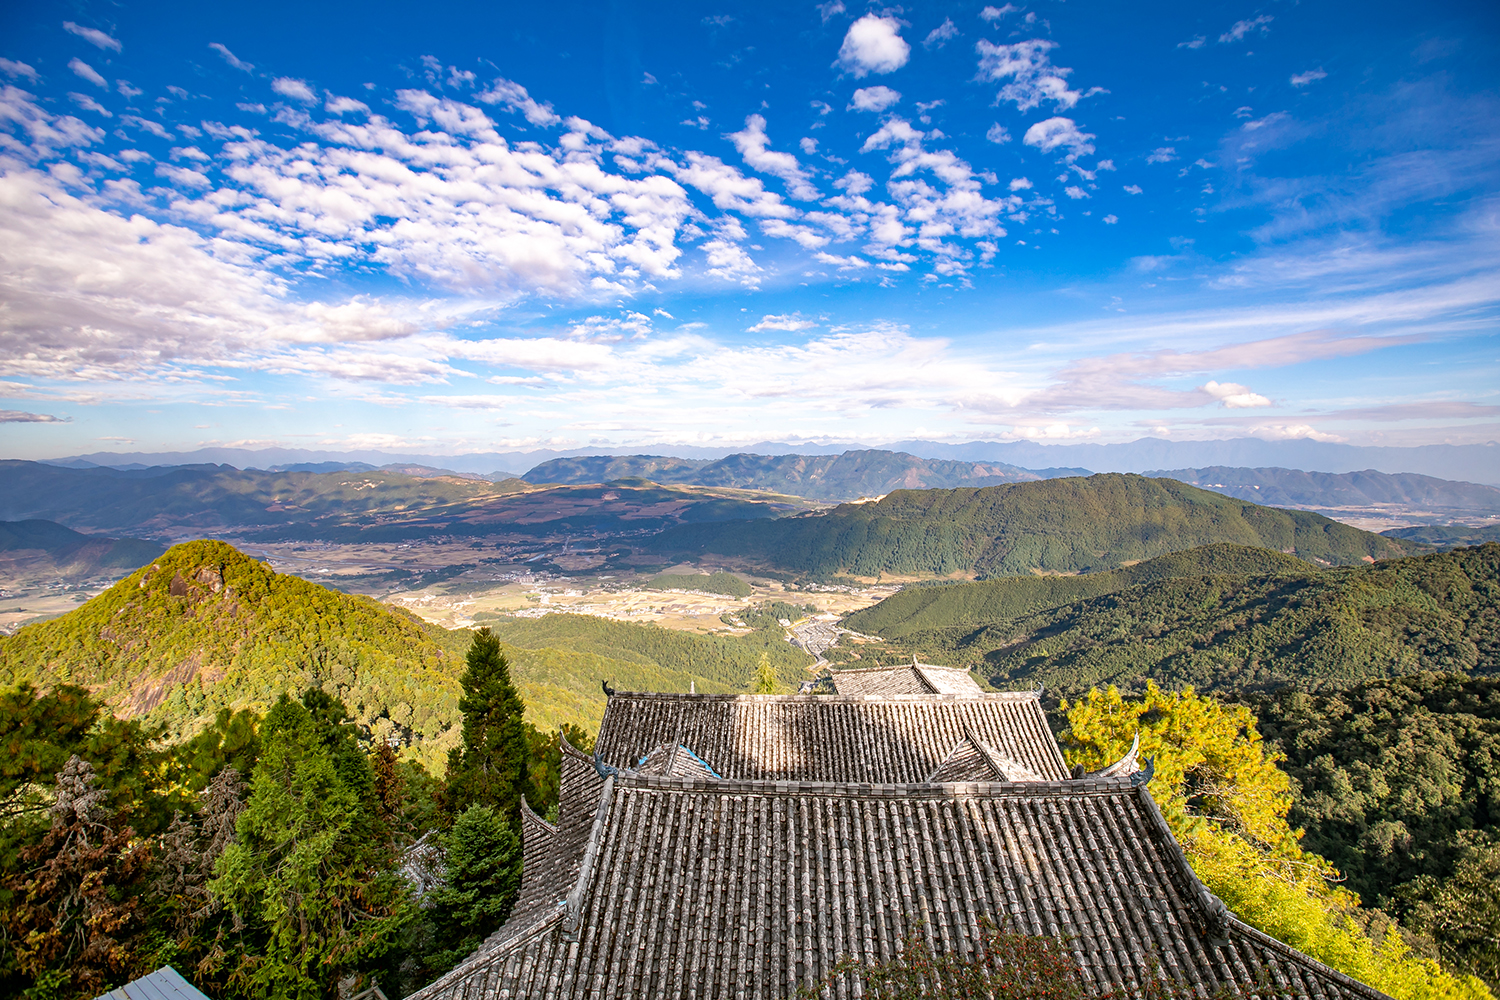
x=491 y=767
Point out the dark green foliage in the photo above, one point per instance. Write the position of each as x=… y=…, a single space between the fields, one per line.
x=309 y=876
x=1058 y=526
x=205 y=627
x=233 y=740
x=929 y=607
x=769 y=615
x=1446 y=536
x=854 y=474
x=709 y=583
x=481 y=876
x=1439 y=612
x=545 y=768
x=559 y=660
x=1399 y=786
x=491 y=767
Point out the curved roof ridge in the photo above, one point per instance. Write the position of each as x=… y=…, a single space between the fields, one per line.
x=1032 y=695
x=530 y=815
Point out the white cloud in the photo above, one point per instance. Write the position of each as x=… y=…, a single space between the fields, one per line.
x=874 y=99
x=1033 y=77
x=297 y=90
x=231 y=58
x=791 y=322
x=1059 y=133
x=998 y=13
x=1312 y=75
x=25 y=417
x=1242 y=28
x=729 y=261
x=997 y=134
x=344 y=105
x=850 y=263
x=808 y=145
x=829 y=9
x=1133 y=189
x=1162 y=154
x=87 y=72
x=89 y=104
x=515 y=98
x=18 y=70
x=729 y=189
x=93 y=36
x=1075 y=192
x=1020 y=184
x=752 y=142
x=1196 y=42
x=1110 y=220
x=939 y=36
x=1233 y=396
x=873 y=44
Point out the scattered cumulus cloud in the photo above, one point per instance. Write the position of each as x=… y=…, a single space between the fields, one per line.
x=1110 y=220
x=514 y=98
x=1162 y=154
x=297 y=90
x=873 y=44
x=89 y=104
x=1196 y=42
x=790 y=322
x=93 y=36
x=1020 y=184
x=1311 y=76
x=993 y=14
x=941 y=35
x=830 y=9
x=87 y=72
x=18 y=70
x=1242 y=28
x=997 y=134
x=1075 y=192
x=230 y=57
x=1233 y=396
x=1033 y=78
x=752 y=143
x=1059 y=133
x=874 y=99
x=23 y=417
x=1133 y=189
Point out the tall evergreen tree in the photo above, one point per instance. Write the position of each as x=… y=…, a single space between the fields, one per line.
x=491 y=768
x=309 y=875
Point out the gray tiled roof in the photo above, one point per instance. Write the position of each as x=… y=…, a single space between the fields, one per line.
x=838 y=738
x=163 y=984
x=695 y=887
x=910 y=678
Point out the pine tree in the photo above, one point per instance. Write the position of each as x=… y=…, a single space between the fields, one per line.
x=492 y=765
x=482 y=874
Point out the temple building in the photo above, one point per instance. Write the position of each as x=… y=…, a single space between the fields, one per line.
x=741 y=845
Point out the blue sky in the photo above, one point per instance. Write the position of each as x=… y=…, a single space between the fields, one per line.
x=461 y=228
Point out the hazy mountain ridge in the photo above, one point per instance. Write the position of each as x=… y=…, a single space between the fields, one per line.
x=1477 y=462
x=1295 y=488
x=1066 y=525
x=45 y=548
x=847 y=476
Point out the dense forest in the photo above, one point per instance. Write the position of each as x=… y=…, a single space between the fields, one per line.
x=1068 y=525
x=709 y=583
x=1226 y=632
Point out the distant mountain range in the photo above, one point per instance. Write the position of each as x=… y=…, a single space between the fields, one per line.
x=1294 y=488
x=1470 y=463
x=40 y=549
x=1066 y=525
x=848 y=476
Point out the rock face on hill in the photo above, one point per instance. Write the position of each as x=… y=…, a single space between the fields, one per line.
x=849 y=476
x=1066 y=525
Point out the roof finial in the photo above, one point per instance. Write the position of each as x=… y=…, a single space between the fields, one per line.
x=608 y=691
x=1145 y=774
x=605 y=770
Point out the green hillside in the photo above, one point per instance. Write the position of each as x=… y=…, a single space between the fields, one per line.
x=1296 y=488
x=1066 y=525
x=938 y=607
x=205 y=627
x=709 y=583
x=1446 y=536
x=1305 y=629
x=854 y=474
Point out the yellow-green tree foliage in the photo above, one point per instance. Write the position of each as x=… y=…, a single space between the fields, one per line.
x=206 y=627
x=1226 y=801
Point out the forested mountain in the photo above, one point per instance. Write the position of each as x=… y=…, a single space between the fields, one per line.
x=1396 y=784
x=1068 y=525
x=206 y=627
x=47 y=549
x=849 y=476
x=1446 y=536
x=1295 y=488
x=1230 y=632
x=350 y=506
x=917 y=609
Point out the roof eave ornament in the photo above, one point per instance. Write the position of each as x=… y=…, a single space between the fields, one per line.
x=605 y=770
x=608 y=691
x=1145 y=774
